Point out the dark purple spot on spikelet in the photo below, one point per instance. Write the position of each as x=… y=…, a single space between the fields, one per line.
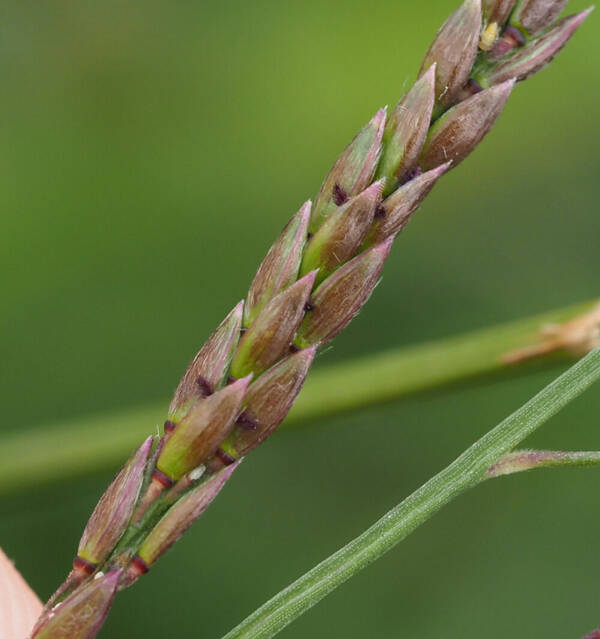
x=413 y=173
x=473 y=86
x=510 y=39
x=309 y=236
x=231 y=379
x=226 y=458
x=339 y=194
x=515 y=34
x=247 y=421
x=309 y=307
x=380 y=211
x=204 y=385
x=294 y=348
x=243 y=329
x=169 y=426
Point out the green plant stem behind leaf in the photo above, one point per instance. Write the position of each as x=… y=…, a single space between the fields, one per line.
x=466 y=471
x=94 y=443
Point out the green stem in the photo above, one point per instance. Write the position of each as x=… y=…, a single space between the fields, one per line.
x=466 y=471
x=405 y=371
x=73 y=448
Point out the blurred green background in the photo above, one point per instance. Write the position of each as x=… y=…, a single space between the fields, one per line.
x=149 y=154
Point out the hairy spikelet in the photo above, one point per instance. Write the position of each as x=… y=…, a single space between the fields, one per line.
x=313 y=281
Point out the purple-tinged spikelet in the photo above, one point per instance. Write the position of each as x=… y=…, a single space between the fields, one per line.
x=273 y=330
x=339 y=298
x=81 y=614
x=208 y=370
x=535 y=55
x=406 y=132
x=113 y=512
x=461 y=129
x=181 y=516
x=352 y=172
x=268 y=401
x=200 y=432
x=279 y=269
x=395 y=211
x=533 y=16
x=341 y=235
x=453 y=51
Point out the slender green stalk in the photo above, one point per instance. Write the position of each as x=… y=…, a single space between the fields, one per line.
x=465 y=472
x=73 y=448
